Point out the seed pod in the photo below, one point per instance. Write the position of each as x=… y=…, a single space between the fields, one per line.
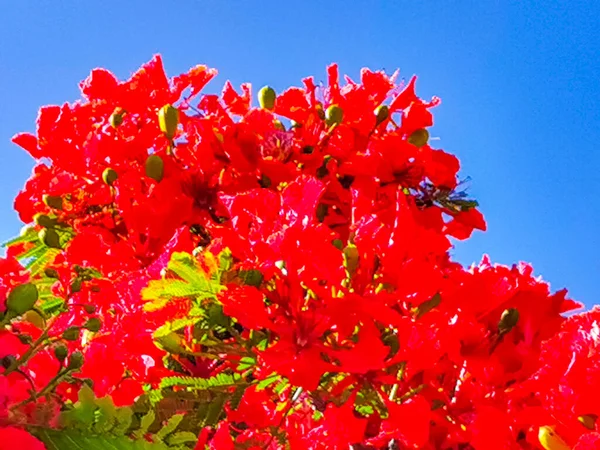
x=61 y=352
x=71 y=334
x=50 y=237
x=109 y=176
x=75 y=361
x=168 y=119
x=116 y=118
x=44 y=221
x=53 y=201
x=94 y=324
x=22 y=298
x=508 y=320
x=155 y=168
x=382 y=112
x=334 y=115
x=267 y=97
x=419 y=137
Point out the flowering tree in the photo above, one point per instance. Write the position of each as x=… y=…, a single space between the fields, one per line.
x=200 y=273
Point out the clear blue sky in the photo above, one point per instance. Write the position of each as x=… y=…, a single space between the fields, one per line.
x=519 y=81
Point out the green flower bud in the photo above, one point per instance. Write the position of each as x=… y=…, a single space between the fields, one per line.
x=22 y=298
x=267 y=97
x=8 y=361
x=94 y=324
x=43 y=220
x=76 y=285
x=168 y=119
x=75 y=361
x=90 y=309
x=71 y=334
x=382 y=112
x=251 y=277
x=116 y=118
x=508 y=320
x=51 y=273
x=61 y=352
x=53 y=201
x=50 y=237
x=25 y=339
x=334 y=115
x=109 y=176
x=155 y=168
x=419 y=137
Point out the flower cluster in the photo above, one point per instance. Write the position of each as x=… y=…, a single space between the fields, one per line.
x=198 y=272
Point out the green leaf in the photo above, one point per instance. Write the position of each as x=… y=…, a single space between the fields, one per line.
x=220 y=380
x=76 y=440
x=146 y=423
x=37 y=265
x=175 y=325
x=182 y=437
x=51 y=304
x=236 y=397
x=170 y=426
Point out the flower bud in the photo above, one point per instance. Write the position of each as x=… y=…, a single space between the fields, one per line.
x=8 y=361
x=155 y=168
x=71 y=334
x=43 y=220
x=22 y=298
x=382 y=112
x=50 y=237
x=419 y=137
x=508 y=320
x=90 y=309
x=25 y=339
x=75 y=361
x=116 y=118
x=251 y=277
x=61 y=352
x=53 y=201
x=334 y=115
x=94 y=324
x=76 y=285
x=109 y=176
x=51 y=273
x=267 y=97
x=168 y=119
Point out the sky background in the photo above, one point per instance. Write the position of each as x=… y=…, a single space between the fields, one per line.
x=519 y=82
